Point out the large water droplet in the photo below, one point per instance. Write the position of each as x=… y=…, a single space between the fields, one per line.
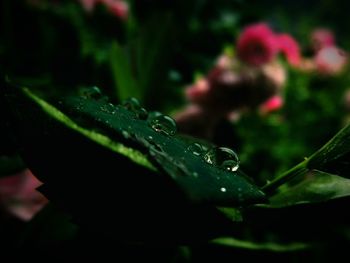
x=196 y=149
x=133 y=105
x=223 y=157
x=163 y=124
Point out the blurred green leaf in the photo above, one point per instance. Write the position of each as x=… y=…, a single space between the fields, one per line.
x=267 y=246
x=124 y=79
x=152 y=48
x=231 y=213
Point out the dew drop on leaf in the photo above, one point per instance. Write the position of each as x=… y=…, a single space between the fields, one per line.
x=163 y=124
x=196 y=149
x=92 y=93
x=133 y=106
x=154 y=114
x=223 y=157
x=126 y=134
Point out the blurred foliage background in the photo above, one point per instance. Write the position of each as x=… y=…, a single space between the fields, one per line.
x=156 y=48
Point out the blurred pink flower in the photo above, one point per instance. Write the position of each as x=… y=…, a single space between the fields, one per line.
x=118 y=8
x=198 y=91
x=321 y=38
x=307 y=65
x=197 y=121
x=19 y=197
x=272 y=104
x=257 y=45
x=275 y=74
x=290 y=48
x=224 y=62
x=330 y=60
x=88 y=5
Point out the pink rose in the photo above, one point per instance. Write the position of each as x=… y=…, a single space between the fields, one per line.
x=321 y=38
x=330 y=60
x=289 y=48
x=118 y=8
x=88 y=5
x=257 y=45
x=19 y=197
x=198 y=91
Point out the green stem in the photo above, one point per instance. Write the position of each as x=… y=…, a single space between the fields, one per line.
x=300 y=168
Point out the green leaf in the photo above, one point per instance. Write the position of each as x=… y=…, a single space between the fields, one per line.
x=332 y=157
x=101 y=139
x=125 y=83
x=316 y=186
x=333 y=150
x=266 y=246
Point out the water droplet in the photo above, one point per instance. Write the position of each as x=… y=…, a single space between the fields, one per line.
x=108 y=108
x=152 y=145
x=223 y=189
x=126 y=134
x=154 y=114
x=223 y=157
x=92 y=93
x=163 y=124
x=156 y=148
x=133 y=105
x=196 y=149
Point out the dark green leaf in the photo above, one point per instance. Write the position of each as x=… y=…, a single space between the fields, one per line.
x=200 y=181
